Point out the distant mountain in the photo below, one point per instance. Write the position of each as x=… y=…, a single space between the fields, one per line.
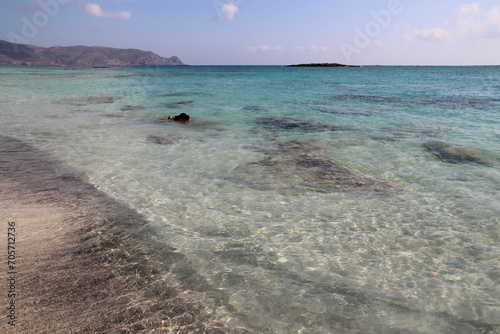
x=22 y=54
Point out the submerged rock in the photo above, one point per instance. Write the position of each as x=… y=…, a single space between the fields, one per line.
x=290 y=171
x=177 y=94
x=415 y=130
x=455 y=154
x=326 y=110
x=287 y=147
x=132 y=108
x=316 y=170
x=177 y=104
x=86 y=101
x=371 y=99
x=164 y=139
x=255 y=109
x=292 y=124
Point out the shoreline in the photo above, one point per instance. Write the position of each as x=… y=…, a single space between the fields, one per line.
x=85 y=263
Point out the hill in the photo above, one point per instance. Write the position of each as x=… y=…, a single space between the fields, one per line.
x=22 y=54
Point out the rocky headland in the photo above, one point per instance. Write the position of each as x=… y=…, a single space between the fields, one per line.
x=30 y=55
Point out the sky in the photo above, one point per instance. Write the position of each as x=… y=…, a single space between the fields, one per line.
x=268 y=32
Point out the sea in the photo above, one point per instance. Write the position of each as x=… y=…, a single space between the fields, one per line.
x=315 y=200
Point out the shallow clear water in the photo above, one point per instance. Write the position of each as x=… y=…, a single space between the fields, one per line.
x=413 y=249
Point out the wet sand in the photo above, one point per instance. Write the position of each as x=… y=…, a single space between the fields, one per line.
x=85 y=263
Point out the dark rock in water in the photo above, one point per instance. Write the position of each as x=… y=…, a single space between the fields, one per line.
x=132 y=108
x=182 y=118
x=338 y=112
x=255 y=109
x=185 y=94
x=177 y=104
x=110 y=115
x=382 y=138
x=460 y=102
x=455 y=154
x=290 y=171
x=371 y=99
x=292 y=124
x=177 y=94
x=86 y=101
x=164 y=139
x=179 y=118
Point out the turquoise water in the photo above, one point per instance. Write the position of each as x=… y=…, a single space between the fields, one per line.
x=246 y=191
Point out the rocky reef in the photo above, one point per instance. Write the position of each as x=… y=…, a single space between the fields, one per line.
x=289 y=166
x=456 y=154
x=292 y=124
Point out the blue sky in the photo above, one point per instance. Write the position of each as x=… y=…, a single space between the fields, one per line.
x=268 y=32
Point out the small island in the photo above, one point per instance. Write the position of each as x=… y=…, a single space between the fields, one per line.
x=322 y=65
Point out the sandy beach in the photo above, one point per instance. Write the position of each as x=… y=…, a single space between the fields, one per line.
x=84 y=263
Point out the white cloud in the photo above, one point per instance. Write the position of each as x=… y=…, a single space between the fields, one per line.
x=434 y=34
x=263 y=48
x=298 y=49
x=321 y=48
x=251 y=49
x=95 y=10
x=471 y=23
x=228 y=11
x=313 y=49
